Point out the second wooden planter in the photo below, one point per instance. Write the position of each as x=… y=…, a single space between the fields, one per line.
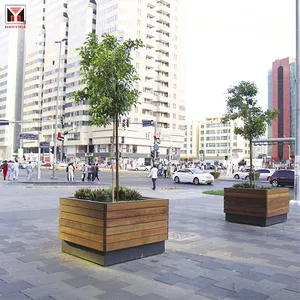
x=256 y=206
x=109 y=233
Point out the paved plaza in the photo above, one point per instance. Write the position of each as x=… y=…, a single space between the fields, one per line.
x=205 y=258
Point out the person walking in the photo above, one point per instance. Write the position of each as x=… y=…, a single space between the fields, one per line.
x=5 y=169
x=67 y=171
x=93 y=172
x=16 y=170
x=29 y=170
x=10 y=173
x=96 y=172
x=89 y=178
x=71 y=171
x=83 y=172
x=153 y=175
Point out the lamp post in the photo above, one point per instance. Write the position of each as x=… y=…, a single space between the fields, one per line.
x=297 y=133
x=56 y=112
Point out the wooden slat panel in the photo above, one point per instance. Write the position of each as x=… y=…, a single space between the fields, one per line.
x=82 y=211
x=81 y=241
x=137 y=212
x=136 y=227
x=81 y=219
x=82 y=234
x=136 y=220
x=82 y=226
x=82 y=203
x=137 y=242
x=245 y=213
x=136 y=205
x=277 y=212
x=135 y=235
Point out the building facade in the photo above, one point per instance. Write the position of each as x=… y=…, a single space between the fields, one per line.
x=11 y=87
x=161 y=98
x=282 y=91
x=190 y=150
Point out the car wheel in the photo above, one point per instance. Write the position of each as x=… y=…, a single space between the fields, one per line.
x=209 y=183
x=136 y=169
x=275 y=183
x=196 y=180
x=236 y=176
x=268 y=178
x=247 y=177
x=176 y=179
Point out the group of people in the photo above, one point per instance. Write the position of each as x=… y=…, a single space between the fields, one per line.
x=92 y=171
x=10 y=170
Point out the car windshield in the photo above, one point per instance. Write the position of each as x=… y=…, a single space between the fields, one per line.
x=197 y=171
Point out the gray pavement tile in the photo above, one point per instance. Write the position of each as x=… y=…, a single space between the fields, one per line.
x=16 y=296
x=47 y=298
x=80 y=281
x=212 y=265
x=170 y=278
x=192 y=272
x=118 y=295
x=294 y=287
x=3 y=272
x=267 y=287
x=12 y=250
x=221 y=274
x=249 y=295
x=285 y=295
x=151 y=296
x=280 y=262
x=234 y=283
x=214 y=292
x=17 y=286
x=187 y=286
x=110 y=285
x=53 y=269
x=29 y=258
x=239 y=267
x=200 y=282
x=134 y=266
x=283 y=278
x=198 y=257
x=255 y=276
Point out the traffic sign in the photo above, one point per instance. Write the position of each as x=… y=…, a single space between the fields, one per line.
x=155 y=147
x=58 y=162
x=44 y=145
x=29 y=136
x=146 y=123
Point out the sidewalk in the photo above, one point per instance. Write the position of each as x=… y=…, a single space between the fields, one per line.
x=206 y=257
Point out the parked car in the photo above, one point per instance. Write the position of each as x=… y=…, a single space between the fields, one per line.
x=140 y=168
x=282 y=178
x=241 y=175
x=194 y=176
x=265 y=174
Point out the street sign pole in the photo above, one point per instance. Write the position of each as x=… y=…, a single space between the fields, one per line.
x=39 y=157
x=297 y=142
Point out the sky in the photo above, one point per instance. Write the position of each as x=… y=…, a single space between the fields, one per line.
x=229 y=41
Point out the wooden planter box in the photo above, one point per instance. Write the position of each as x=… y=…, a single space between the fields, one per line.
x=256 y=206
x=109 y=233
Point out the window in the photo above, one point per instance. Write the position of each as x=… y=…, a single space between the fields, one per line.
x=139 y=22
x=139 y=12
x=174 y=106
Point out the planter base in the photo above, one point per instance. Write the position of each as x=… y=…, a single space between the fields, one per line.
x=113 y=257
x=258 y=221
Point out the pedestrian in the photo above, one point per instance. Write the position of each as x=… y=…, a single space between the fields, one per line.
x=89 y=178
x=16 y=170
x=29 y=170
x=5 y=169
x=169 y=171
x=83 y=172
x=71 y=171
x=67 y=171
x=96 y=172
x=10 y=173
x=153 y=176
x=93 y=172
x=165 y=170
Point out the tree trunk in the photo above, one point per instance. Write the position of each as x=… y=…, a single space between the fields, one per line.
x=111 y=162
x=251 y=170
x=117 y=158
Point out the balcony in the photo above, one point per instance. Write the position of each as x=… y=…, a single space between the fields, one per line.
x=162 y=68
x=161 y=98
x=162 y=27
x=151 y=22
x=161 y=109
x=163 y=47
x=163 y=18
x=162 y=37
x=162 y=56
x=163 y=119
x=161 y=77
x=148 y=95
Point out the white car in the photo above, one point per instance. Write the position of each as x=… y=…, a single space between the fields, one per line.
x=265 y=174
x=241 y=175
x=141 y=168
x=194 y=176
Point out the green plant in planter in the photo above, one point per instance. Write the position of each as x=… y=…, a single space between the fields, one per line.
x=254 y=176
x=104 y=195
x=215 y=174
x=246 y=185
x=242 y=106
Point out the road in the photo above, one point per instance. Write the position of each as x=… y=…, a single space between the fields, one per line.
x=134 y=179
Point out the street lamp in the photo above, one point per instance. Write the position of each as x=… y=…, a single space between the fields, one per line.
x=56 y=111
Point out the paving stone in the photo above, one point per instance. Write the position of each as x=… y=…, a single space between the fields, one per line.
x=118 y=295
x=80 y=281
x=29 y=258
x=192 y=272
x=200 y=282
x=267 y=287
x=285 y=295
x=8 y=288
x=221 y=274
x=283 y=278
x=214 y=292
x=47 y=298
x=13 y=250
x=151 y=296
x=109 y=285
x=53 y=269
x=170 y=278
x=234 y=283
x=239 y=267
x=3 y=272
x=16 y=296
x=281 y=262
x=211 y=265
x=245 y=294
x=134 y=266
x=255 y=276
x=294 y=287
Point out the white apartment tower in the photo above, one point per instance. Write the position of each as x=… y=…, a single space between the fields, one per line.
x=161 y=100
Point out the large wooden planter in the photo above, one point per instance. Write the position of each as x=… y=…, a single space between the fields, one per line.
x=256 y=206
x=109 y=233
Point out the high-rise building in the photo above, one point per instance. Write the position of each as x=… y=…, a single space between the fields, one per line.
x=282 y=96
x=161 y=99
x=11 y=86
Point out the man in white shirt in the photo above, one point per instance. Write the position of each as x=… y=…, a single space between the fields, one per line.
x=153 y=175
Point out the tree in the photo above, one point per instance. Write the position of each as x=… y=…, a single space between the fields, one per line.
x=109 y=79
x=242 y=105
